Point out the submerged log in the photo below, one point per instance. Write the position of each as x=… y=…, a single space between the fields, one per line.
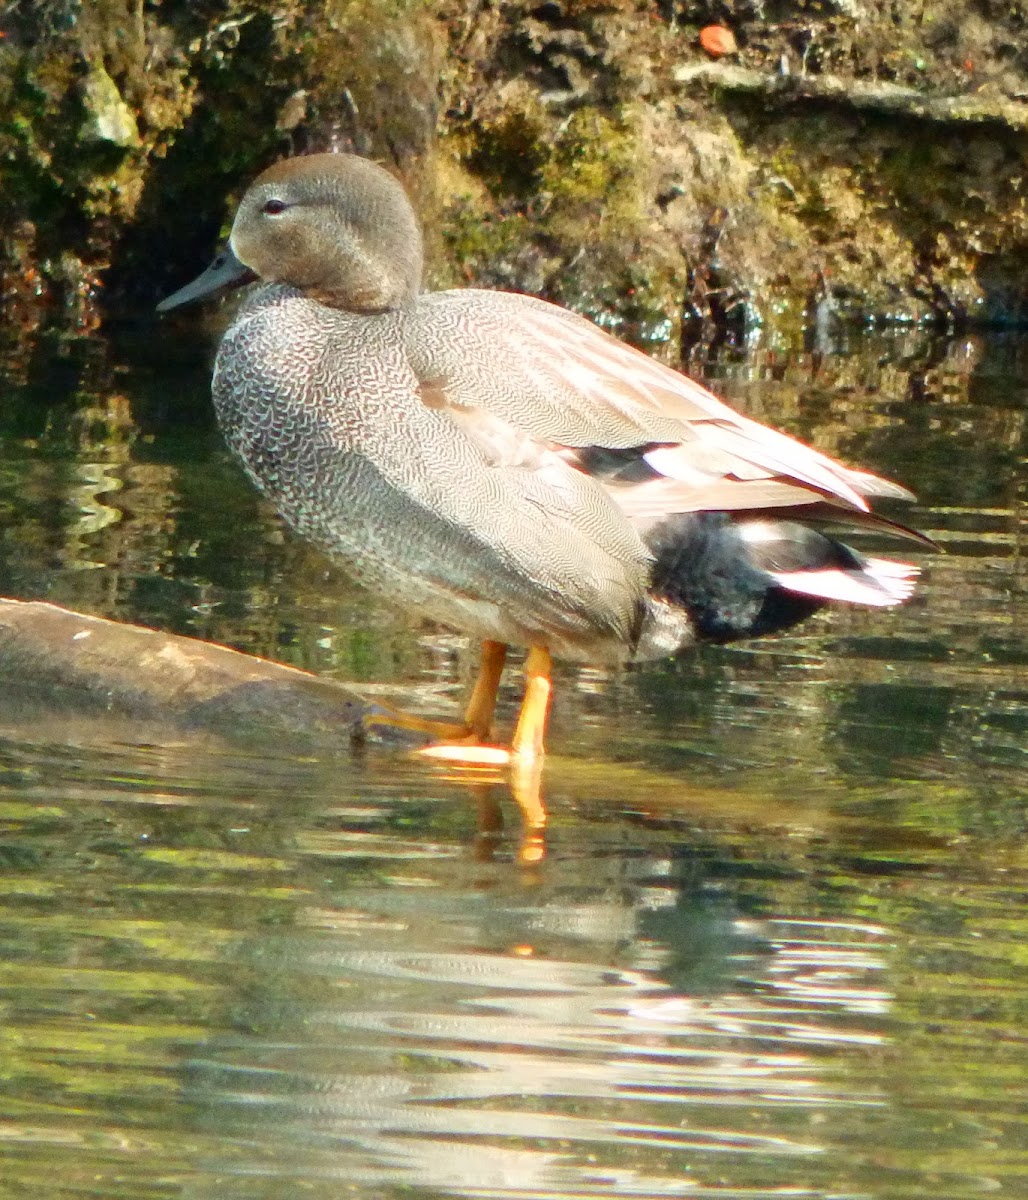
x=82 y=664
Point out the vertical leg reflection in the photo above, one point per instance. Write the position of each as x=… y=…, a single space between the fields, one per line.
x=524 y=782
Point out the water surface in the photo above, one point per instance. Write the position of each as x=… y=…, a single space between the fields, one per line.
x=776 y=947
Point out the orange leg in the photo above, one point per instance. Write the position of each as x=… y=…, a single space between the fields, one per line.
x=525 y=757
x=395 y=718
x=530 y=733
x=478 y=716
x=527 y=750
x=528 y=743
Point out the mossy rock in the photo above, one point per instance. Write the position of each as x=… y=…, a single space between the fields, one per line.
x=549 y=147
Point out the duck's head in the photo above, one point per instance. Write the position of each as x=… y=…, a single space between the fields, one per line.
x=338 y=227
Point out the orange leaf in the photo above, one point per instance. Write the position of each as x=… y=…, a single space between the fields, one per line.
x=718 y=40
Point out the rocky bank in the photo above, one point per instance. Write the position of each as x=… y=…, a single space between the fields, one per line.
x=850 y=160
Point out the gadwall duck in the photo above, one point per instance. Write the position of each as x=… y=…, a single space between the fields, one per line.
x=501 y=465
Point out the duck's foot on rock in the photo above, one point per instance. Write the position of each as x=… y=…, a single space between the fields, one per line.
x=391 y=719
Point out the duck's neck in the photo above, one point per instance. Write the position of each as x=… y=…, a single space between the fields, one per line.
x=375 y=289
x=367 y=284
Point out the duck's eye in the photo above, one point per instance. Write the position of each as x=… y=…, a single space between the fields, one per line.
x=274 y=207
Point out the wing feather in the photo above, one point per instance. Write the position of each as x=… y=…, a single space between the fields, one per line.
x=540 y=372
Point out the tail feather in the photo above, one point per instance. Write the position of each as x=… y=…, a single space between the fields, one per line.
x=750 y=576
x=877 y=581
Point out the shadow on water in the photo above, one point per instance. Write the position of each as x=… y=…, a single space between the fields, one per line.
x=775 y=949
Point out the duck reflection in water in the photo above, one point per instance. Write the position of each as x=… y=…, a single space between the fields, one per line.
x=498 y=464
